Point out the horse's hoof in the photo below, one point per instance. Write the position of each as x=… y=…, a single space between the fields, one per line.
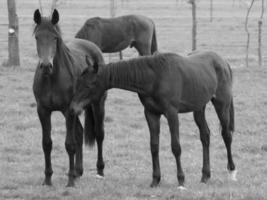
x=47 y=182
x=78 y=173
x=181 y=187
x=154 y=184
x=232 y=175
x=205 y=179
x=70 y=184
x=98 y=176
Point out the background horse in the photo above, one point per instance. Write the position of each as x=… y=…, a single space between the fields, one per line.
x=116 y=34
x=168 y=84
x=53 y=87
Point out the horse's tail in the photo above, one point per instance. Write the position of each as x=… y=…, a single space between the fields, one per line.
x=232 y=116
x=154 y=44
x=89 y=127
x=231 y=110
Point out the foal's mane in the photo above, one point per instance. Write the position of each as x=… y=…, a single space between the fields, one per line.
x=137 y=69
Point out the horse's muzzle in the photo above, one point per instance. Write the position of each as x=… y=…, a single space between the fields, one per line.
x=46 y=68
x=75 y=108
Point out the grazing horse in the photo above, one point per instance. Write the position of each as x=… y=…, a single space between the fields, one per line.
x=116 y=34
x=54 y=84
x=168 y=84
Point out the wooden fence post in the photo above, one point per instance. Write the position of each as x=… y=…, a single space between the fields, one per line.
x=13 y=34
x=194 y=25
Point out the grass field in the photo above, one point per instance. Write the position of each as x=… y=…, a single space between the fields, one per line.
x=126 y=147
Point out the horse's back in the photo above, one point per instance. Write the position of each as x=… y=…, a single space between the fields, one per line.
x=85 y=48
x=190 y=82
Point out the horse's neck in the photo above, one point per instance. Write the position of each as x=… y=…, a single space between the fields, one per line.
x=125 y=77
x=63 y=60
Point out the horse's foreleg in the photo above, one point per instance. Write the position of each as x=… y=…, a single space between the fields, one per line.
x=70 y=145
x=153 y=121
x=99 y=115
x=200 y=120
x=45 y=119
x=173 y=122
x=79 y=148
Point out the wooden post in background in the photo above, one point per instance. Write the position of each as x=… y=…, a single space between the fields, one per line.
x=13 y=34
x=194 y=25
x=211 y=10
x=247 y=31
x=112 y=14
x=260 y=35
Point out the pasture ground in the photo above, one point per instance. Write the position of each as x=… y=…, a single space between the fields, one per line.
x=126 y=146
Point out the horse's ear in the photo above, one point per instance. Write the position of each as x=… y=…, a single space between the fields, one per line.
x=89 y=62
x=55 y=17
x=95 y=67
x=37 y=16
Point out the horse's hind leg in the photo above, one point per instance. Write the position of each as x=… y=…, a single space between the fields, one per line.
x=143 y=49
x=99 y=115
x=45 y=119
x=199 y=117
x=153 y=121
x=223 y=110
x=79 y=148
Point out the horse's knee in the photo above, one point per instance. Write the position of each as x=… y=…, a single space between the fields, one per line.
x=70 y=148
x=176 y=150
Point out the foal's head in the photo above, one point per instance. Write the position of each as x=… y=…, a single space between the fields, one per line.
x=89 y=88
x=47 y=35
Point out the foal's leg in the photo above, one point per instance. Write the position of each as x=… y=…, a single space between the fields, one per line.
x=153 y=121
x=223 y=112
x=70 y=145
x=173 y=122
x=99 y=115
x=79 y=148
x=45 y=119
x=200 y=120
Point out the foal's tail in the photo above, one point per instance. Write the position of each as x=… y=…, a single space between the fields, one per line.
x=154 y=44
x=89 y=127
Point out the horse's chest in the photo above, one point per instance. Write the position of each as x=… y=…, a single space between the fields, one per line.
x=53 y=98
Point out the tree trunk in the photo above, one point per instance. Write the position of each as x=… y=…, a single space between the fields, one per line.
x=112 y=14
x=211 y=10
x=259 y=35
x=194 y=25
x=13 y=34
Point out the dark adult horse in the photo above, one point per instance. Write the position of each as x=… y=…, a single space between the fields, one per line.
x=54 y=84
x=116 y=34
x=168 y=84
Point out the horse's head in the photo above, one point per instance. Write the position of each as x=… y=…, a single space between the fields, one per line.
x=47 y=35
x=89 y=88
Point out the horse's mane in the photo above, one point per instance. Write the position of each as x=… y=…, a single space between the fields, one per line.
x=137 y=69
